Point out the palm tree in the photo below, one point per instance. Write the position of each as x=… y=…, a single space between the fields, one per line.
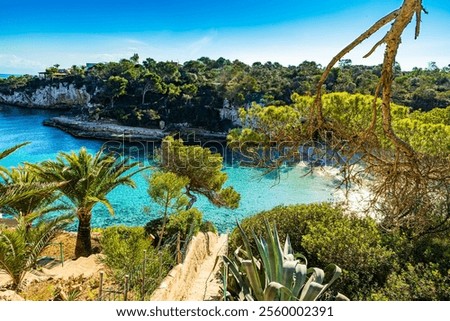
x=8 y=151
x=20 y=247
x=12 y=192
x=21 y=192
x=40 y=198
x=88 y=179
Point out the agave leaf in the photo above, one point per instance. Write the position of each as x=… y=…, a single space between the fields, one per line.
x=275 y=291
x=289 y=273
x=312 y=292
x=332 y=273
x=317 y=274
x=275 y=254
x=247 y=246
x=341 y=297
x=253 y=277
x=224 y=278
x=300 y=278
x=264 y=254
x=236 y=254
x=246 y=241
x=248 y=297
x=234 y=269
x=288 y=247
x=301 y=256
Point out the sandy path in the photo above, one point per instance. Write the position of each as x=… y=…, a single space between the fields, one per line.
x=206 y=284
x=86 y=266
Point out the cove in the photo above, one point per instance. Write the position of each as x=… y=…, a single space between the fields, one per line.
x=258 y=191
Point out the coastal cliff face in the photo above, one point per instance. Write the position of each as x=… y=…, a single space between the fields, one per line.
x=59 y=96
x=230 y=112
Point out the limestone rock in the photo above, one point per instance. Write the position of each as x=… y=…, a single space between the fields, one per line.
x=61 y=95
x=10 y=295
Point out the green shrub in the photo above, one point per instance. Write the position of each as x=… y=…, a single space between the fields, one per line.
x=289 y=219
x=325 y=234
x=124 y=246
x=208 y=226
x=184 y=221
x=125 y=249
x=433 y=248
x=419 y=282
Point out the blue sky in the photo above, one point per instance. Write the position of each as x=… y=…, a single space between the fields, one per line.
x=37 y=34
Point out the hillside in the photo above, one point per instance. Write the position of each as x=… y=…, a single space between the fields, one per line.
x=206 y=93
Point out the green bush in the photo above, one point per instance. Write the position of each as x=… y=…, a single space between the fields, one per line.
x=124 y=246
x=208 y=226
x=183 y=221
x=179 y=222
x=325 y=234
x=433 y=248
x=419 y=282
x=125 y=249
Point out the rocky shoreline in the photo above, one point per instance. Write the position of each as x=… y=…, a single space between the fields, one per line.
x=110 y=130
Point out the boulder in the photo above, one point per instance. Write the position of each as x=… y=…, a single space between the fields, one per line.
x=10 y=295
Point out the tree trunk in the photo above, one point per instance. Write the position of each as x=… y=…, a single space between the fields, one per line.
x=83 y=246
x=192 y=199
x=145 y=91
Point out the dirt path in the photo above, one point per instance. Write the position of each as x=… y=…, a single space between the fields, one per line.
x=86 y=266
x=206 y=284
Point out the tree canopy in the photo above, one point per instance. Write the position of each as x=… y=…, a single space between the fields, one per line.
x=202 y=170
x=143 y=92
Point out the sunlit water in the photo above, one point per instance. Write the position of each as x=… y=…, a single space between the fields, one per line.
x=258 y=192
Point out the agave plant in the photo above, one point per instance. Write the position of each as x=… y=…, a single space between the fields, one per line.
x=21 y=247
x=276 y=275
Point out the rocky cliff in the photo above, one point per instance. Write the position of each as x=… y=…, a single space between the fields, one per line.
x=61 y=96
x=230 y=112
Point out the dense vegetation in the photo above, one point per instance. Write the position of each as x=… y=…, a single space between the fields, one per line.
x=143 y=93
x=274 y=274
x=427 y=132
x=408 y=192
x=129 y=251
x=377 y=265
x=30 y=192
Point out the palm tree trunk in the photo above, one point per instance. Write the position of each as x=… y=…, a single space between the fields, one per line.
x=83 y=246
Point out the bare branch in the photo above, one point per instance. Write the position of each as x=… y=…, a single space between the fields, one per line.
x=393 y=40
x=379 y=43
x=316 y=111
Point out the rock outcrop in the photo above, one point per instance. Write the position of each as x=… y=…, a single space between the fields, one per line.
x=230 y=112
x=62 y=95
x=10 y=295
x=110 y=130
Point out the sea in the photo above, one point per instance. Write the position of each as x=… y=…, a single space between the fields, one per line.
x=133 y=207
x=4 y=76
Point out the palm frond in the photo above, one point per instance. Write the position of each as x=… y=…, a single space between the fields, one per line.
x=21 y=247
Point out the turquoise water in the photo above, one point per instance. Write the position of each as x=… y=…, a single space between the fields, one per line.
x=4 y=76
x=258 y=192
